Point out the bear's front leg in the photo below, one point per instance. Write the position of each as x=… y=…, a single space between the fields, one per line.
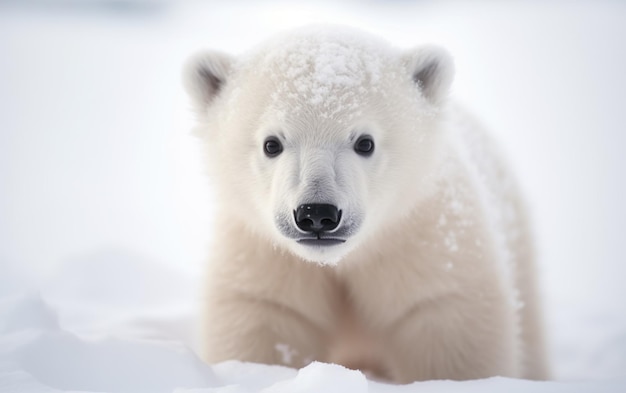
x=240 y=326
x=455 y=337
x=266 y=306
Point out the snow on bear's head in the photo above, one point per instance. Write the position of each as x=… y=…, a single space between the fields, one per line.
x=322 y=137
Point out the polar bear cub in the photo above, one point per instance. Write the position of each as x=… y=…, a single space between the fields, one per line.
x=362 y=218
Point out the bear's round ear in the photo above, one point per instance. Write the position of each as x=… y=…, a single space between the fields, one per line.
x=204 y=75
x=432 y=70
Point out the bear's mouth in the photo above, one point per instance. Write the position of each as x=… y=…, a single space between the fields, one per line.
x=321 y=241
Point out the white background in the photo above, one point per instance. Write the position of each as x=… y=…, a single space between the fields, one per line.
x=102 y=197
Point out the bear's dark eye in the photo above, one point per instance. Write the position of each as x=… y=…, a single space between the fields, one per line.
x=364 y=145
x=272 y=146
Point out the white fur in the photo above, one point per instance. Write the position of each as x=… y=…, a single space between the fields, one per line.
x=437 y=261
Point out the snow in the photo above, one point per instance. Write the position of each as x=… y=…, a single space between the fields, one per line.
x=286 y=353
x=37 y=355
x=104 y=211
x=320 y=72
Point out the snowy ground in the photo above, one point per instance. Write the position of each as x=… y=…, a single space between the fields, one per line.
x=104 y=212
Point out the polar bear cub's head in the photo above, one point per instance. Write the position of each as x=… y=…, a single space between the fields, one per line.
x=322 y=137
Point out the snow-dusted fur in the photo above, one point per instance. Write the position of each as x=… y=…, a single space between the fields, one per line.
x=435 y=279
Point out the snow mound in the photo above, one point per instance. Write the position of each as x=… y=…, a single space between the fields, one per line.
x=35 y=350
x=26 y=311
x=38 y=355
x=321 y=377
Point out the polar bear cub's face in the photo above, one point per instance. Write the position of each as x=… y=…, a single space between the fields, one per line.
x=321 y=138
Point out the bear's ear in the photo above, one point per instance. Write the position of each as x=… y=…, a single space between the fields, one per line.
x=204 y=75
x=432 y=70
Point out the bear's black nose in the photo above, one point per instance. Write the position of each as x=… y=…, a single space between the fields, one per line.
x=317 y=217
